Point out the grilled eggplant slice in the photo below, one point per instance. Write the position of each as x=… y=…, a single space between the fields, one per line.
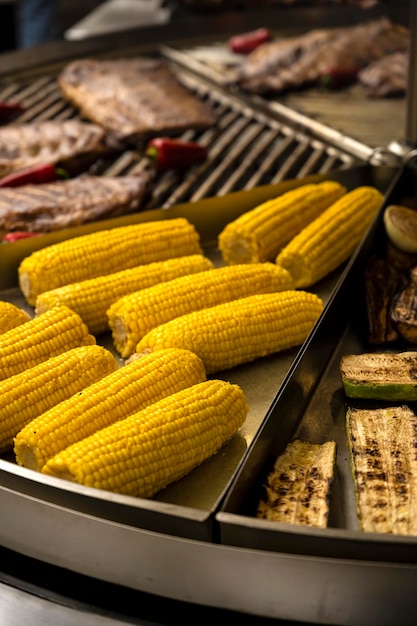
x=380 y=376
x=404 y=310
x=297 y=490
x=382 y=444
x=382 y=283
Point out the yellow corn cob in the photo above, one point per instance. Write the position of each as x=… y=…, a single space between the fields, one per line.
x=47 y=335
x=32 y=392
x=128 y=390
x=105 y=252
x=131 y=317
x=11 y=316
x=330 y=239
x=143 y=453
x=92 y=298
x=259 y=234
x=236 y=332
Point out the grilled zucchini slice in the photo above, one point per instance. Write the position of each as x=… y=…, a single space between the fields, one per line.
x=380 y=376
x=382 y=444
x=297 y=490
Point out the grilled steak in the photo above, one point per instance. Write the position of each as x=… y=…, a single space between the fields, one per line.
x=72 y=144
x=303 y=61
x=52 y=206
x=386 y=77
x=133 y=98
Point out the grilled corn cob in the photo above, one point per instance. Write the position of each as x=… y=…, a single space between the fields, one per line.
x=236 y=332
x=259 y=234
x=25 y=396
x=11 y=316
x=382 y=444
x=297 y=490
x=131 y=317
x=121 y=393
x=40 y=338
x=331 y=238
x=105 y=252
x=142 y=454
x=92 y=298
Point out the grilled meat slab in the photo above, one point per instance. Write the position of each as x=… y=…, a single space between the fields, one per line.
x=133 y=99
x=302 y=61
x=72 y=144
x=52 y=206
x=386 y=77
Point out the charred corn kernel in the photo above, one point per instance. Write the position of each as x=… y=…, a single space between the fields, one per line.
x=92 y=298
x=40 y=338
x=131 y=317
x=105 y=252
x=27 y=395
x=147 y=451
x=229 y=334
x=331 y=238
x=11 y=316
x=259 y=234
x=123 y=392
x=297 y=490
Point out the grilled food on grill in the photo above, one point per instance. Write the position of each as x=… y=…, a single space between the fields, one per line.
x=404 y=310
x=380 y=375
x=71 y=144
x=382 y=444
x=302 y=61
x=387 y=76
x=297 y=490
x=64 y=203
x=382 y=283
x=133 y=98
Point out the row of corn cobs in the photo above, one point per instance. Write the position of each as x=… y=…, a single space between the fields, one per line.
x=70 y=411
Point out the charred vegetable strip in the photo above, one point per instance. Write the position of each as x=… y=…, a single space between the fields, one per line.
x=165 y=153
x=45 y=173
x=8 y=109
x=382 y=282
x=298 y=488
x=382 y=444
x=380 y=376
x=247 y=42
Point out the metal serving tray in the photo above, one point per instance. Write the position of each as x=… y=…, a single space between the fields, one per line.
x=141 y=543
x=311 y=404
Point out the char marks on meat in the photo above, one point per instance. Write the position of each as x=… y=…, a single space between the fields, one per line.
x=386 y=77
x=52 y=206
x=133 y=99
x=282 y=65
x=72 y=144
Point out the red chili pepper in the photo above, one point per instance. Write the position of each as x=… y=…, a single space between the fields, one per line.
x=18 y=234
x=165 y=153
x=247 y=42
x=44 y=173
x=338 y=77
x=8 y=109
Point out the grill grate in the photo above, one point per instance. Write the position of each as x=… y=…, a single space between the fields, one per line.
x=247 y=147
